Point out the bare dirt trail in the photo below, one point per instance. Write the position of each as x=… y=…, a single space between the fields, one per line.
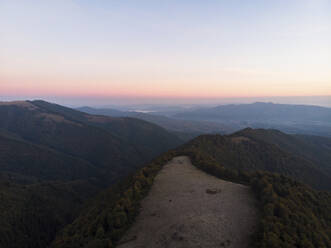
x=187 y=208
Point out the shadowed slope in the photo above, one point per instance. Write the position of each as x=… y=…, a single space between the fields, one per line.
x=112 y=146
x=313 y=148
x=63 y=157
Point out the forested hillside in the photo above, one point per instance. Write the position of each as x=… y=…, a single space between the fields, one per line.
x=247 y=153
x=292 y=213
x=317 y=149
x=55 y=163
x=32 y=214
x=53 y=159
x=41 y=163
x=86 y=137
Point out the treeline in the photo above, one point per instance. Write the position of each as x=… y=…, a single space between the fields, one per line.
x=238 y=152
x=293 y=215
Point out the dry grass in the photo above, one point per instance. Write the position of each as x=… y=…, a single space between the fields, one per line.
x=23 y=104
x=240 y=139
x=102 y=119
x=56 y=118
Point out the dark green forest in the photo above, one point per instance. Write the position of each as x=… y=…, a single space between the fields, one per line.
x=244 y=152
x=53 y=160
x=316 y=149
x=292 y=213
x=105 y=220
x=32 y=214
x=64 y=177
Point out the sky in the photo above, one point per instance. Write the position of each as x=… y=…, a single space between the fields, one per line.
x=170 y=50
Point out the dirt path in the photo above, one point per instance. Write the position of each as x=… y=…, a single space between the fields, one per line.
x=187 y=208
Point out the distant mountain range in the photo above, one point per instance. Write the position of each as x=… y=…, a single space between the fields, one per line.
x=225 y=119
x=303 y=119
x=261 y=112
x=185 y=129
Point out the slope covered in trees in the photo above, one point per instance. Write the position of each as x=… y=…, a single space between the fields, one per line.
x=86 y=137
x=104 y=221
x=32 y=214
x=41 y=163
x=53 y=159
x=292 y=213
x=249 y=154
x=313 y=148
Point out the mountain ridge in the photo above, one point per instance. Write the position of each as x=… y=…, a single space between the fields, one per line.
x=292 y=213
x=73 y=207
x=53 y=159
